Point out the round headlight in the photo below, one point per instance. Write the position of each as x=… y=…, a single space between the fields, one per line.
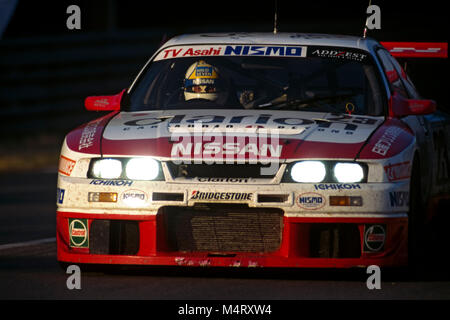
x=107 y=169
x=142 y=169
x=348 y=172
x=308 y=171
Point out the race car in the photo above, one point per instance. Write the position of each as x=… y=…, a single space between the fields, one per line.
x=256 y=150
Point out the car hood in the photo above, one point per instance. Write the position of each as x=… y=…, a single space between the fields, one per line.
x=233 y=133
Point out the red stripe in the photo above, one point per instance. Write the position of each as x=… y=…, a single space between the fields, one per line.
x=292 y=149
x=417 y=49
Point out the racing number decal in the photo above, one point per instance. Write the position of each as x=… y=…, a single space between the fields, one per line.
x=348 y=126
x=351 y=123
x=359 y=120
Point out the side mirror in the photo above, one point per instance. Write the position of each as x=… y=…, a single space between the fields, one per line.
x=401 y=107
x=104 y=103
x=419 y=107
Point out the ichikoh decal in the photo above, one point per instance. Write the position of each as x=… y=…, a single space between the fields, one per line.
x=337 y=186
x=115 y=183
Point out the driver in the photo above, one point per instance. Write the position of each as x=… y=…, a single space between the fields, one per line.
x=202 y=81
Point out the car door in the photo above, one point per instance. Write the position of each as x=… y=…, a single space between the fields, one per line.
x=401 y=85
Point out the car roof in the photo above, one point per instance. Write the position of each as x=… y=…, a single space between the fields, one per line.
x=282 y=38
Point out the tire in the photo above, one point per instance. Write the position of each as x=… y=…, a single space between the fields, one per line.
x=416 y=221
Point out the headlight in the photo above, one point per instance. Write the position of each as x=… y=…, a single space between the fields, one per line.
x=107 y=169
x=348 y=172
x=308 y=171
x=126 y=168
x=142 y=169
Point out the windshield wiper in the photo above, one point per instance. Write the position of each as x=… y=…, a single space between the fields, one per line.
x=296 y=102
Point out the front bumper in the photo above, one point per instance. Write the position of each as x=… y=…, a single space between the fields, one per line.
x=293 y=252
x=321 y=236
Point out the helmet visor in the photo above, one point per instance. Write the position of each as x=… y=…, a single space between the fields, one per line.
x=201 y=89
x=201 y=85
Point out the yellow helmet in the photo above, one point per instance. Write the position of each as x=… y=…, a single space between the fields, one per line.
x=201 y=82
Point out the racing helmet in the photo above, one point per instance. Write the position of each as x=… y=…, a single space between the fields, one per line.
x=201 y=82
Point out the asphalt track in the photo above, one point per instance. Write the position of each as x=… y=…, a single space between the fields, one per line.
x=29 y=270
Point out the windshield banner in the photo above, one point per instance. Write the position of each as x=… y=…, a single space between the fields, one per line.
x=231 y=50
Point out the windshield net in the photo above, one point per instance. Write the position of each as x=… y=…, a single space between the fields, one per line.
x=321 y=79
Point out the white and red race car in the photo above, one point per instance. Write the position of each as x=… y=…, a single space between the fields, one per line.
x=256 y=150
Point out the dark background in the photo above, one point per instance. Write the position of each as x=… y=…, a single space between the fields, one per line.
x=408 y=20
x=401 y=20
x=48 y=70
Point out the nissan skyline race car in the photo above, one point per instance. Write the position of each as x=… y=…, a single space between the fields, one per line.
x=256 y=150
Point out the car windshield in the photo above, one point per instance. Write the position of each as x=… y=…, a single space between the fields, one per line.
x=263 y=77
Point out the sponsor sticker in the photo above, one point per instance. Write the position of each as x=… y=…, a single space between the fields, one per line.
x=114 y=183
x=337 y=53
x=221 y=196
x=256 y=150
x=231 y=50
x=383 y=144
x=134 y=197
x=60 y=195
x=227 y=125
x=374 y=237
x=337 y=186
x=311 y=201
x=88 y=134
x=66 y=165
x=399 y=198
x=228 y=180
x=78 y=233
x=398 y=171
x=281 y=51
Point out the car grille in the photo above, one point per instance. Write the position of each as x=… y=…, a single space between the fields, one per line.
x=114 y=237
x=226 y=171
x=220 y=228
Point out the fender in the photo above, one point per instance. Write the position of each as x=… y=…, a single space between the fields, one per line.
x=87 y=138
x=390 y=139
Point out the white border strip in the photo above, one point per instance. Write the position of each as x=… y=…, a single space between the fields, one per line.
x=26 y=243
x=348 y=215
